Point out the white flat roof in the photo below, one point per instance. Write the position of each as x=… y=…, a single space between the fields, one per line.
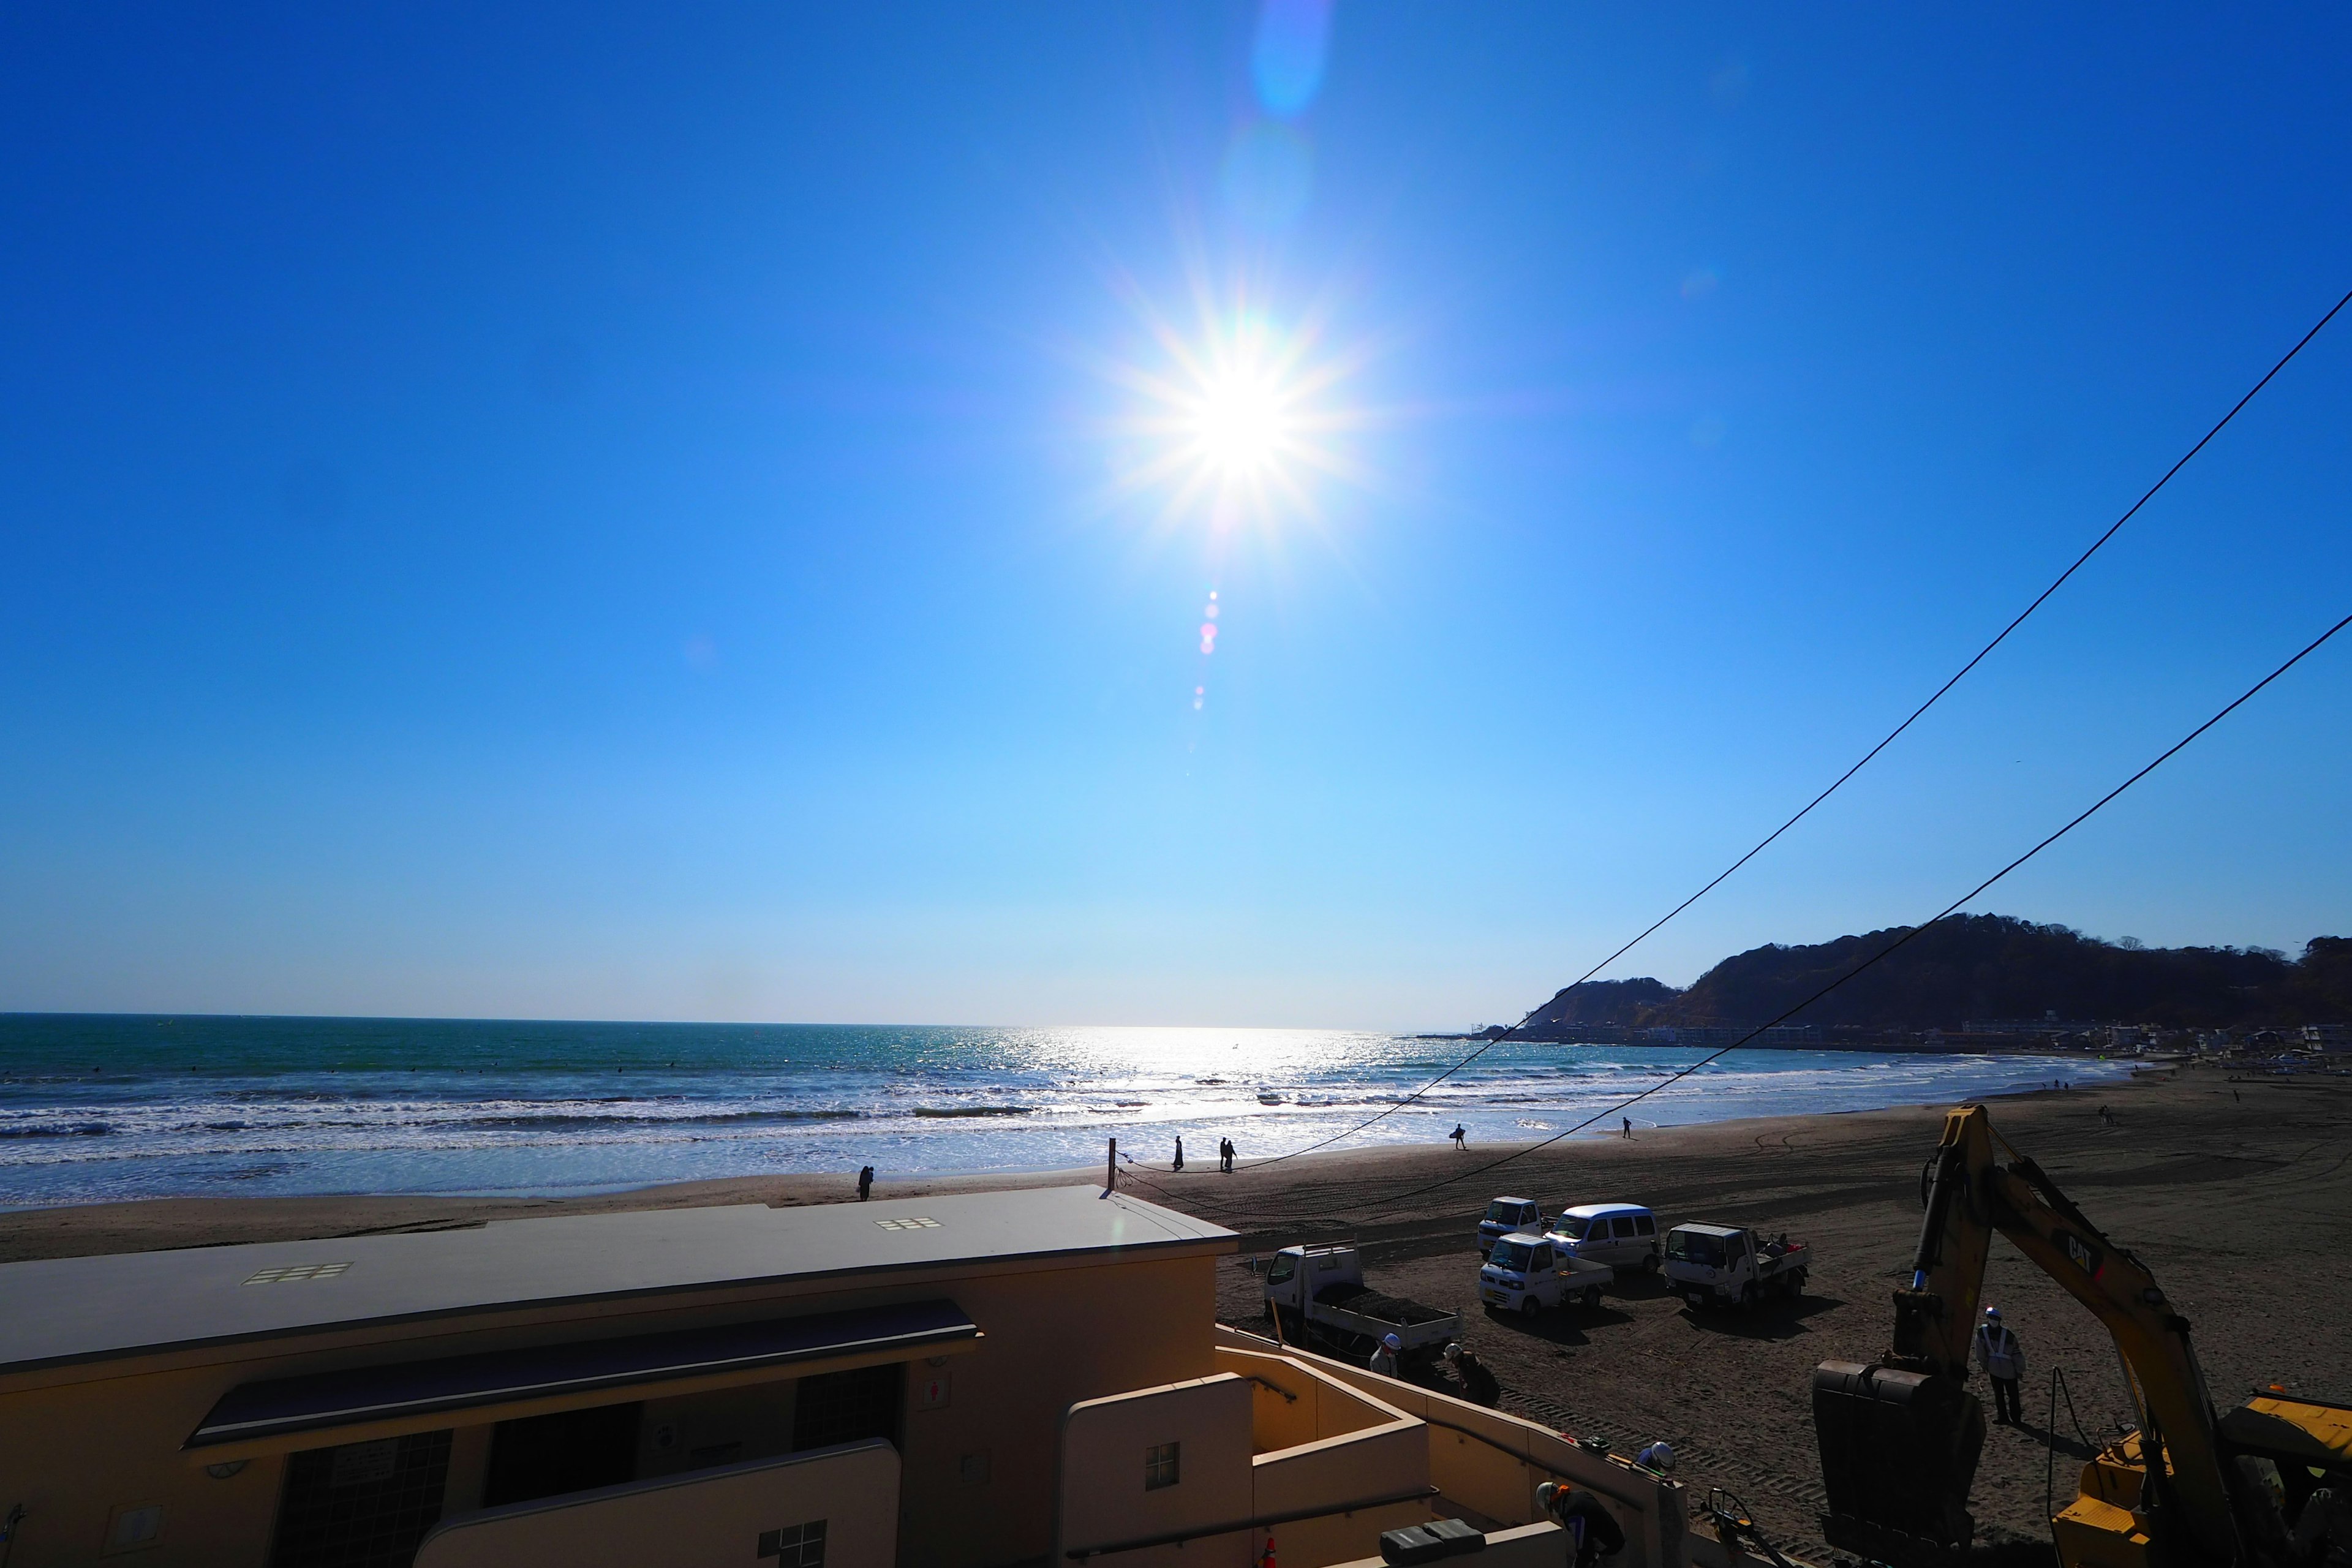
x=68 y=1310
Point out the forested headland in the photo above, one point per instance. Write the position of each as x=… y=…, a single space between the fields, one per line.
x=1971 y=967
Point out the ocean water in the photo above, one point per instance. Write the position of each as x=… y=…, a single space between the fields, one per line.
x=101 y=1107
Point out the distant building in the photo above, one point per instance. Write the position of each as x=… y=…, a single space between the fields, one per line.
x=2327 y=1037
x=1713 y=1035
x=2049 y=1023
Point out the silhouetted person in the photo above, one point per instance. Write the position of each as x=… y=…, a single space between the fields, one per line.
x=864 y=1184
x=1478 y=1385
x=1628 y=1130
x=1225 y=1155
x=1179 y=1156
x=1461 y=1139
x=1588 y=1523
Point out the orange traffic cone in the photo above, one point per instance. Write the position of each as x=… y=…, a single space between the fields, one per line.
x=1267 y=1561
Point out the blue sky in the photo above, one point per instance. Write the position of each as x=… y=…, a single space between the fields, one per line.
x=636 y=513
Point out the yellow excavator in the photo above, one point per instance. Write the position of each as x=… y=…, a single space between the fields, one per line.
x=2189 y=1489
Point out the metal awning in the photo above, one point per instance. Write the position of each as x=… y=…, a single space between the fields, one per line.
x=406 y=1389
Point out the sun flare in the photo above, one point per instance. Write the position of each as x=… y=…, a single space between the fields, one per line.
x=1236 y=421
x=1241 y=423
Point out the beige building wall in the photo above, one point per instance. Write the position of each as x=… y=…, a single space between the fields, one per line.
x=83 y=1447
x=1105 y=1498
x=712 y=1519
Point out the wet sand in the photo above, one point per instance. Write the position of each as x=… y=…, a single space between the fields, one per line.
x=2238 y=1196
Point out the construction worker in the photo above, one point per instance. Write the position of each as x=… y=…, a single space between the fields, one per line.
x=1590 y=1525
x=1478 y=1385
x=1658 y=1457
x=1385 y=1359
x=2004 y=1360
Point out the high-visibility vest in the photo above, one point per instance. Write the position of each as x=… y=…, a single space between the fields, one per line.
x=1998 y=1349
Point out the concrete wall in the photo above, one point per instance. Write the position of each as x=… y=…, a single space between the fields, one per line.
x=1544 y=1545
x=1054 y=1340
x=1325 y=1448
x=710 y=1519
x=1485 y=1460
x=1295 y=1404
x=1104 y=1500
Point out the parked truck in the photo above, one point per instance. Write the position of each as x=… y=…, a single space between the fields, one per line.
x=1527 y=1273
x=1728 y=1266
x=1505 y=1215
x=1318 y=1298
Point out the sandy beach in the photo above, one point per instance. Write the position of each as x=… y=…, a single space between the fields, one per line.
x=2238 y=1194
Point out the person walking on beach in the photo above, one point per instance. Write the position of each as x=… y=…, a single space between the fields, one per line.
x=1225 y=1155
x=1628 y=1131
x=1179 y=1155
x=864 y=1184
x=1461 y=1138
x=2003 y=1360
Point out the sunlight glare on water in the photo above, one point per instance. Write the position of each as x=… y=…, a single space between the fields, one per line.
x=95 y=1108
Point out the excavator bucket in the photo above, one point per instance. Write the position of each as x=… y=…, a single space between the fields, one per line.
x=1898 y=1456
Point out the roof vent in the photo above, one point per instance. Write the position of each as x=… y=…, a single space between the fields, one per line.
x=916 y=1224
x=295 y=1273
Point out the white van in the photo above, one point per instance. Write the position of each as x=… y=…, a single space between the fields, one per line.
x=1624 y=1236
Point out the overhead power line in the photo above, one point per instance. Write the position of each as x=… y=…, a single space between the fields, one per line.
x=1914 y=717
x=1908 y=935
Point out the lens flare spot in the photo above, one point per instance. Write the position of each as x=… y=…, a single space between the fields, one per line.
x=1294 y=38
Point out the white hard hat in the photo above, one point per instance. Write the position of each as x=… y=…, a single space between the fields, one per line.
x=1392 y=1342
x=1452 y=1350
x=1993 y=1312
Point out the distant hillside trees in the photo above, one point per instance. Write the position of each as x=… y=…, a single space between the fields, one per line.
x=1985 y=966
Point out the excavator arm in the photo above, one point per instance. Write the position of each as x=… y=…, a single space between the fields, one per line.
x=1900 y=1436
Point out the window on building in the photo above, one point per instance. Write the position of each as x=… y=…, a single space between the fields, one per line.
x=571 y=1451
x=847 y=1406
x=795 y=1546
x=1160 y=1465
x=363 y=1504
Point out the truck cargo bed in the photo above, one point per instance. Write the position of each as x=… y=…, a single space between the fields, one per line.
x=1371 y=1303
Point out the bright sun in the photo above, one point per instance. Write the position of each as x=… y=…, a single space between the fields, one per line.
x=1234 y=418
x=1241 y=422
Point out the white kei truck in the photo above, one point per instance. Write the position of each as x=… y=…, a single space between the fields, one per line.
x=1528 y=1273
x=1318 y=1298
x=1505 y=1215
x=1730 y=1266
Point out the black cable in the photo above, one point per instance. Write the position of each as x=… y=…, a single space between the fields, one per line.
x=1908 y=935
x=1806 y=811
